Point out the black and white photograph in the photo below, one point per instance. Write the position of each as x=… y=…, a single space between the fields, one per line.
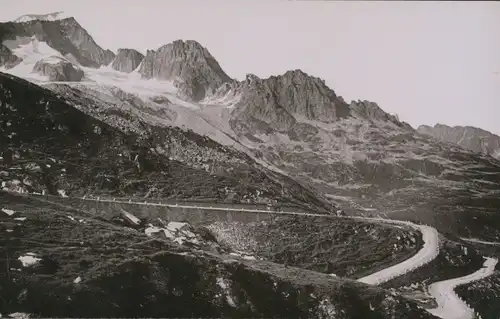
x=249 y=159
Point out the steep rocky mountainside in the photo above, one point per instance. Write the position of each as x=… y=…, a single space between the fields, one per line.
x=472 y=138
x=66 y=36
x=127 y=60
x=360 y=156
x=192 y=68
x=48 y=145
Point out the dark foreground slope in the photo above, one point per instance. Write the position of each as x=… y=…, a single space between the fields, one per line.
x=47 y=144
x=91 y=267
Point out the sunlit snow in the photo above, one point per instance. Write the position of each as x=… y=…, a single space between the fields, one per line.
x=43 y=17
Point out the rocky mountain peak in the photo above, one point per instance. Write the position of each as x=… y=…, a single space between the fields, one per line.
x=251 y=77
x=127 y=60
x=276 y=103
x=299 y=75
x=190 y=65
x=190 y=48
x=63 y=34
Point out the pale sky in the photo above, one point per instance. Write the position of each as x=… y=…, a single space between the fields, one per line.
x=428 y=62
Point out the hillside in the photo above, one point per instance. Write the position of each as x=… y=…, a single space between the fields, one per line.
x=55 y=268
x=472 y=138
x=47 y=145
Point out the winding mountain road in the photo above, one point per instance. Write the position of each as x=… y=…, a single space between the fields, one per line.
x=450 y=306
x=426 y=254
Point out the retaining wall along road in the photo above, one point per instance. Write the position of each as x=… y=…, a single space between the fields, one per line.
x=192 y=212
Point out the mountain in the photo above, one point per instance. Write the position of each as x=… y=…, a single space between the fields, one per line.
x=354 y=154
x=66 y=36
x=55 y=148
x=49 y=146
x=173 y=125
x=472 y=138
x=127 y=60
x=192 y=68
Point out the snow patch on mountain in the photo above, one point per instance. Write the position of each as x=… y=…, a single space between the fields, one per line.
x=496 y=154
x=31 y=51
x=130 y=82
x=395 y=115
x=60 y=15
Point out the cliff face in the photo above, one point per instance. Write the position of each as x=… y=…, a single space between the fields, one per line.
x=192 y=68
x=472 y=138
x=127 y=60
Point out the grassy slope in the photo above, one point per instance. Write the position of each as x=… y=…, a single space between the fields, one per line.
x=125 y=273
x=340 y=246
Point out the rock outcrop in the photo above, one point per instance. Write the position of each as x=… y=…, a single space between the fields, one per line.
x=127 y=60
x=7 y=58
x=191 y=66
x=58 y=69
x=472 y=138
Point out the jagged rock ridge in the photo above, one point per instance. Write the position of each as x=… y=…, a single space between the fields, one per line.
x=372 y=111
x=127 y=60
x=188 y=64
x=278 y=102
x=472 y=138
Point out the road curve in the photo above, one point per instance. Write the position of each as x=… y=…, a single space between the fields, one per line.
x=427 y=253
x=450 y=306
